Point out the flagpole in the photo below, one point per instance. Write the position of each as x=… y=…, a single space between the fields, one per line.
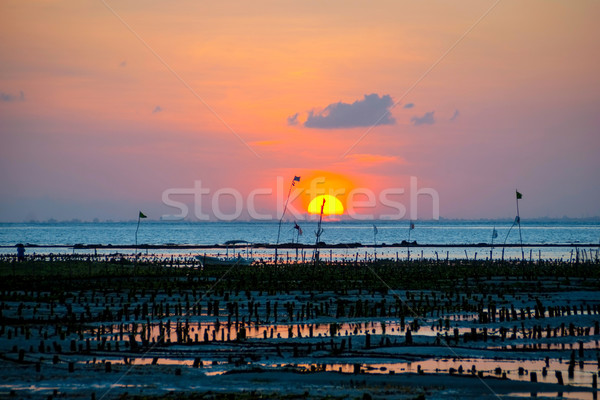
x=519 y=222
x=492 y=248
x=140 y=216
x=375 y=241
x=297 y=241
x=136 y=232
x=298 y=233
x=318 y=234
x=408 y=245
x=494 y=234
x=283 y=215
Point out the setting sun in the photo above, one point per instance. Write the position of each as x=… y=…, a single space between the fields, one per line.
x=333 y=206
x=319 y=183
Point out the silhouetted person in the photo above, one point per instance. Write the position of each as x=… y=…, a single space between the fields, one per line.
x=20 y=252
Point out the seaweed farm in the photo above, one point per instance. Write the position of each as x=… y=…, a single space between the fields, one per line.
x=108 y=328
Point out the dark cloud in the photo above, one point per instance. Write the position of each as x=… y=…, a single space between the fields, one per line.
x=157 y=109
x=293 y=119
x=9 y=97
x=409 y=105
x=426 y=119
x=370 y=111
x=455 y=115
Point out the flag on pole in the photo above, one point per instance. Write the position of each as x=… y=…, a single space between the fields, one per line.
x=296 y=179
x=494 y=234
x=297 y=227
x=140 y=216
x=412 y=225
x=518 y=221
x=375 y=229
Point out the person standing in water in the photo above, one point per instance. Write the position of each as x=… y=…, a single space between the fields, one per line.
x=20 y=252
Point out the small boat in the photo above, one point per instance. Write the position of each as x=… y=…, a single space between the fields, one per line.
x=239 y=260
x=227 y=260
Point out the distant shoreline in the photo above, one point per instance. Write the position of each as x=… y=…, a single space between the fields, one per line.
x=297 y=245
x=508 y=220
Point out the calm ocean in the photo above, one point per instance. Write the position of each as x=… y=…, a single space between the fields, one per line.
x=210 y=233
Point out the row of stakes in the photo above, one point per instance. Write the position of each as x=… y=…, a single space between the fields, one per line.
x=301 y=311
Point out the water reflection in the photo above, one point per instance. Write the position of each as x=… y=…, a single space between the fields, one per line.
x=545 y=371
x=195 y=332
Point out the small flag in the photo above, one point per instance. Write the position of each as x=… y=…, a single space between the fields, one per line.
x=375 y=229
x=519 y=195
x=296 y=179
x=494 y=234
x=517 y=220
x=142 y=215
x=412 y=225
x=297 y=227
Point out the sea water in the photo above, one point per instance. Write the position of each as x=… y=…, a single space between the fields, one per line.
x=443 y=232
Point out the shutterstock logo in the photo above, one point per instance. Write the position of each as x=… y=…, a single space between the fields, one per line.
x=361 y=203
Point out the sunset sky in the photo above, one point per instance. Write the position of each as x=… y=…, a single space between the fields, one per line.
x=106 y=105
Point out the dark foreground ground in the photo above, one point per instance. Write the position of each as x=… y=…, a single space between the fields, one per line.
x=405 y=330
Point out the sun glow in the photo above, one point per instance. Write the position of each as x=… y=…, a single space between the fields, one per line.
x=320 y=183
x=333 y=206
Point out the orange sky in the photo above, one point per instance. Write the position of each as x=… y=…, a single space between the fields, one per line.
x=105 y=106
